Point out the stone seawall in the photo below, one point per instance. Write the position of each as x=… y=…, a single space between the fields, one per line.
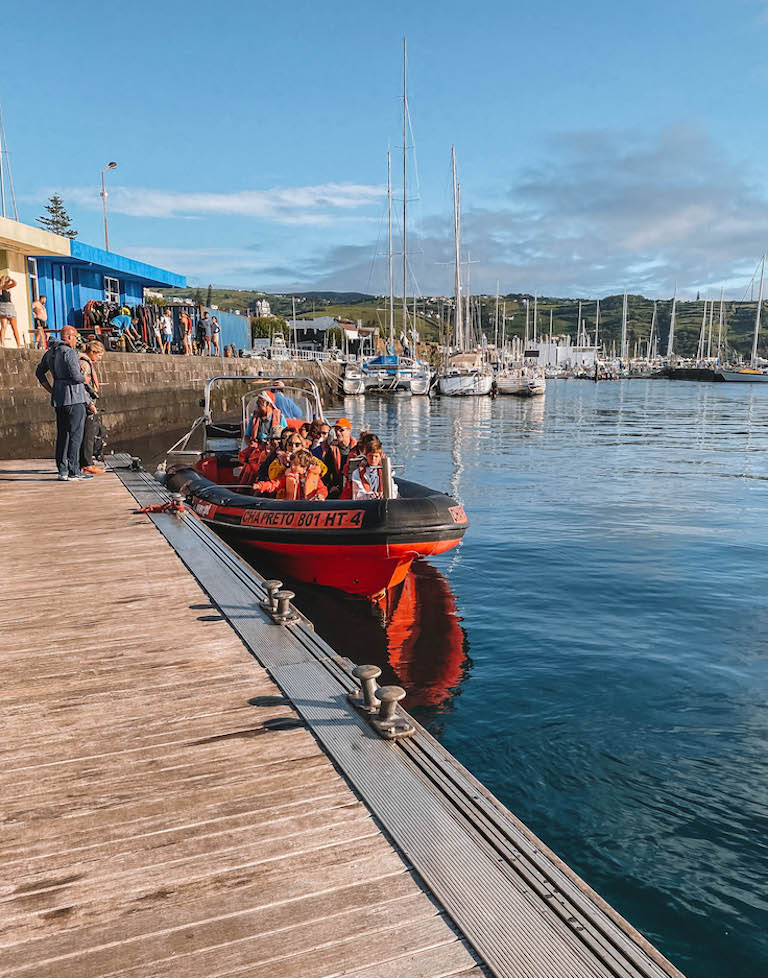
x=140 y=393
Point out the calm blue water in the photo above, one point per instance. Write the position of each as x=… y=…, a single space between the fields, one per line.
x=613 y=588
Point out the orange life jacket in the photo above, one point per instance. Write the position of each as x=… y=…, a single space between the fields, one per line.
x=297 y=487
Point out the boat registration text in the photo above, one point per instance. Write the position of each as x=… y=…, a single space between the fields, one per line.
x=338 y=519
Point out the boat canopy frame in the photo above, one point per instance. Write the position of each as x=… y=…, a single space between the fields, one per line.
x=311 y=392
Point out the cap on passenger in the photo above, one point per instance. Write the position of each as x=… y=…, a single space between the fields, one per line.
x=343 y=423
x=266 y=396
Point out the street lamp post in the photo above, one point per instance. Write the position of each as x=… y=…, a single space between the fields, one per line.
x=109 y=166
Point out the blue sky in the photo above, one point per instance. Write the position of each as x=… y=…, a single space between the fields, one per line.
x=600 y=145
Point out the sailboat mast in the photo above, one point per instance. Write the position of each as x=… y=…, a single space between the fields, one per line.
x=597 y=320
x=405 y=194
x=496 y=320
x=650 y=334
x=3 y=152
x=671 y=339
x=579 y=329
x=720 y=327
x=391 y=266
x=4 y=148
x=709 y=339
x=624 y=350
x=757 y=314
x=700 y=348
x=456 y=237
x=527 y=317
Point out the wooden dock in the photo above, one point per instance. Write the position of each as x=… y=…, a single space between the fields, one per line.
x=187 y=792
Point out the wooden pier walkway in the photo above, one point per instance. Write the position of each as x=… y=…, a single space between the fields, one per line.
x=186 y=791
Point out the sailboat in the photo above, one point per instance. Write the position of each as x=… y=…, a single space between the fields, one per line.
x=751 y=374
x=465 y=373
x=390 y=373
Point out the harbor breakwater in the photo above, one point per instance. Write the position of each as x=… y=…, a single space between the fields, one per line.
x=140 y=393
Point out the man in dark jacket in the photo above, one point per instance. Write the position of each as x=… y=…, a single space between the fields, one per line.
x=68 y=398
x=337 y=455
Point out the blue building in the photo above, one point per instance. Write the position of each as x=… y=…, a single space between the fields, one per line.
x=92 y=274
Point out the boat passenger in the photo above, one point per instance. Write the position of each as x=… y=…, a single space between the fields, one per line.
x=264 y=418
x=314 y=440
x=291 y=442
x=257 y=455
x=275 y=448
x=289 y=408
x=301 y=480
x=366 y=481
x=337 y=455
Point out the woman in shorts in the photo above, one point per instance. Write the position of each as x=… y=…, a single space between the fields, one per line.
x=7 y=310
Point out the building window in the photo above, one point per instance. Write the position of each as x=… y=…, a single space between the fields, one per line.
x=34 y=285
x=112 y=290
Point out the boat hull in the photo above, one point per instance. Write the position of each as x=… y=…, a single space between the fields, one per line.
x=465 y=385
x=742 y=377
x=361 y=547
x=353 y=385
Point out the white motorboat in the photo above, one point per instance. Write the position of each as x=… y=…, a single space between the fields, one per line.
x=747 y=375
x=388 y=375
x=465 y=383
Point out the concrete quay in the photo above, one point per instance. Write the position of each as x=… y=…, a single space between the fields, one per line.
x=140 y=393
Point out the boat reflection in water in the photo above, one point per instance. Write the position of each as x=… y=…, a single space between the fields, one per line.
x=413 y=634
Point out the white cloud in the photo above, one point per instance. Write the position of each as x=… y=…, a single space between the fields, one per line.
x=281 y=205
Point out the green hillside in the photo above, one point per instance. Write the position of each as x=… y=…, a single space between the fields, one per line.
x=739 y=317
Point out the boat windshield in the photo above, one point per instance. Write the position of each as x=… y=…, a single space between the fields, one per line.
x=305 y=400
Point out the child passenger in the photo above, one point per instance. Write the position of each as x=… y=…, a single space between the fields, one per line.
x=366 y=482
x=301 y=480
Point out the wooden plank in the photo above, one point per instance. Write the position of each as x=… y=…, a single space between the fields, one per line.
x=152 y=822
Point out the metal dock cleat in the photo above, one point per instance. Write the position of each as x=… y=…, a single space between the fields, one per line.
x=364 y=697
x=387 y=722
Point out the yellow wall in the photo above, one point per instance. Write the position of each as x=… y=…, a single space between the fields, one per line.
x=16 y=242
x=15 y=265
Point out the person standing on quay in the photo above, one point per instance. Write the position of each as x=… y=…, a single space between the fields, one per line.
x=185 y=324
x=93 y=352
x=204 y=329
x=7 y=310
x=215 y=333
x=186 y=335
x=68 y=397
x=41 y=323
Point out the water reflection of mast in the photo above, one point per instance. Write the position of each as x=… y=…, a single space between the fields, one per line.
x=458 y=465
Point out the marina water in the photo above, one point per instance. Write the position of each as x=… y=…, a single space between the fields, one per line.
x=596 y=650
x=613 y=591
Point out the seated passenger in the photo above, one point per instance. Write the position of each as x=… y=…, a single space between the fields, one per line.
x=304 y=432
x=301 y=480
x=292 y=443
x=358 y=455
x=337 y=455
x=256 y=454
x=278 y=450
x=314 y=437
x=366 y=481
x=264 y=418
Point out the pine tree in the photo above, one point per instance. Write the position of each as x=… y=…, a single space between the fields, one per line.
x=57 y=221
x=210 y=296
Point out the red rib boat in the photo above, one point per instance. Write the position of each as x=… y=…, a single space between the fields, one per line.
x=363 y=546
